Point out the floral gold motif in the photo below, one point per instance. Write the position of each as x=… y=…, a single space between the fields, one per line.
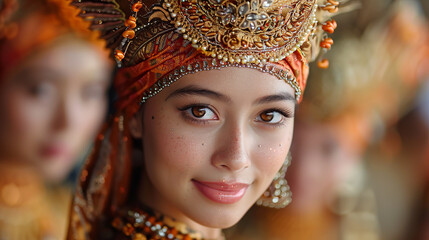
x=244 y=30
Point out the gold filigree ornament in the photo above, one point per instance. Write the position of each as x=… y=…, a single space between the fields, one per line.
x=234 y=31
x=242 y=31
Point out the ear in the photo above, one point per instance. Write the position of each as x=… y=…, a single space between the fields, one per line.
x=135 y=125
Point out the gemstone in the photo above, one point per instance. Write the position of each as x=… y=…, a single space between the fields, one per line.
x=254 y=5
x=244 y=24
x=267 y=3
x=226 y=20
x=243 y=9
x=252 y=17
x=252 y=26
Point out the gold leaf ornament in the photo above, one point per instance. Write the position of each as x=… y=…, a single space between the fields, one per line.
x=251 y=31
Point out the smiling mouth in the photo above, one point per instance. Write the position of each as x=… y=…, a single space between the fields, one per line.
x=220 y=192
x=55 y=150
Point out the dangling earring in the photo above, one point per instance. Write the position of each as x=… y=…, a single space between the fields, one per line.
x=278 y=194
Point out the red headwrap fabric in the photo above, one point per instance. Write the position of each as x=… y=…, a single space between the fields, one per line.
x=132 y=82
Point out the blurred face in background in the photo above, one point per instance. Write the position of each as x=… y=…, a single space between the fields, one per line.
x=321 y=160
x=52 y=105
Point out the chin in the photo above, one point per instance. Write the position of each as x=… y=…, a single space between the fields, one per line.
x=221 y=222
x=220 y=216
x=55 y=174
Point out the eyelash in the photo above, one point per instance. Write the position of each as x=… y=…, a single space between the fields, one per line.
x=192 y=119
x=286 y=114
x=183 y=110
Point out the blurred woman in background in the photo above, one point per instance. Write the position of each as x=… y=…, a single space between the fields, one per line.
x=54 y=75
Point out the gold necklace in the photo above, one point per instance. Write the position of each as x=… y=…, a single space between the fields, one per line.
x=138 y=224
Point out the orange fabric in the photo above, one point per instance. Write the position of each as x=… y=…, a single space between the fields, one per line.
x=36 y=23
x=132 y=82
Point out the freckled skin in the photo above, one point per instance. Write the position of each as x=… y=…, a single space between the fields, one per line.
x=234 y=145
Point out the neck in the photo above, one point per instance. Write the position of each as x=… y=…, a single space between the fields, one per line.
x=149 y=196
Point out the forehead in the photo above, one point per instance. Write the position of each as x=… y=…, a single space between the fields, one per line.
x=71 y=57
x=234 y=82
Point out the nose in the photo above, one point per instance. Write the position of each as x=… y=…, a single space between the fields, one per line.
x=231 y=153
x=66 y=113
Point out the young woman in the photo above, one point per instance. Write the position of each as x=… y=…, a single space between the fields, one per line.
x=53 y=80
x=204 y=115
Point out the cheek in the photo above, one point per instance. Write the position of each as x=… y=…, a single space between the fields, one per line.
x=269 y=160
x=341 y=165
x=271 y=151
x=89 y=118
x=168 y=145
x=24 y=118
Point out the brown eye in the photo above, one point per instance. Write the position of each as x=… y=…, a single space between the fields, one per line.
x=267 y=116
x=198 y=112
x=271 y=117
x=41 y=90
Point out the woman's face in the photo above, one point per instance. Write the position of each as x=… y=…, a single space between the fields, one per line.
x=322 y=159
x=52 y=105
x=213 y=142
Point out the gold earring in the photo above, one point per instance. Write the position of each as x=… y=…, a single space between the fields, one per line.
x=278 y=194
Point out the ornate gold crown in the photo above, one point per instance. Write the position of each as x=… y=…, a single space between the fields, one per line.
x=235 y=31
x=244 y=31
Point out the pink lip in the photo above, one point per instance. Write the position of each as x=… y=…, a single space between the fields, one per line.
x=54 y=151
x=221 y=192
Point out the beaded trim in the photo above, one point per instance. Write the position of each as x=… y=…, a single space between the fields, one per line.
x=244 y=31
x=212 y=64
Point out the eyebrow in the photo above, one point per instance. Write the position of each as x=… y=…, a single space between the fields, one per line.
x=30 y=74
x=194 y=90
x=283 y=96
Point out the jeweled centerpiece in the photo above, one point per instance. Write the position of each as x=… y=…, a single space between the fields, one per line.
x=244 y=31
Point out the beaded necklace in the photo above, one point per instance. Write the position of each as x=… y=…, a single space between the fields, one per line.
x=138 y=224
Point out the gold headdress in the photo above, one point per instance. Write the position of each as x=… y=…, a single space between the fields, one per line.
x=232 y=32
